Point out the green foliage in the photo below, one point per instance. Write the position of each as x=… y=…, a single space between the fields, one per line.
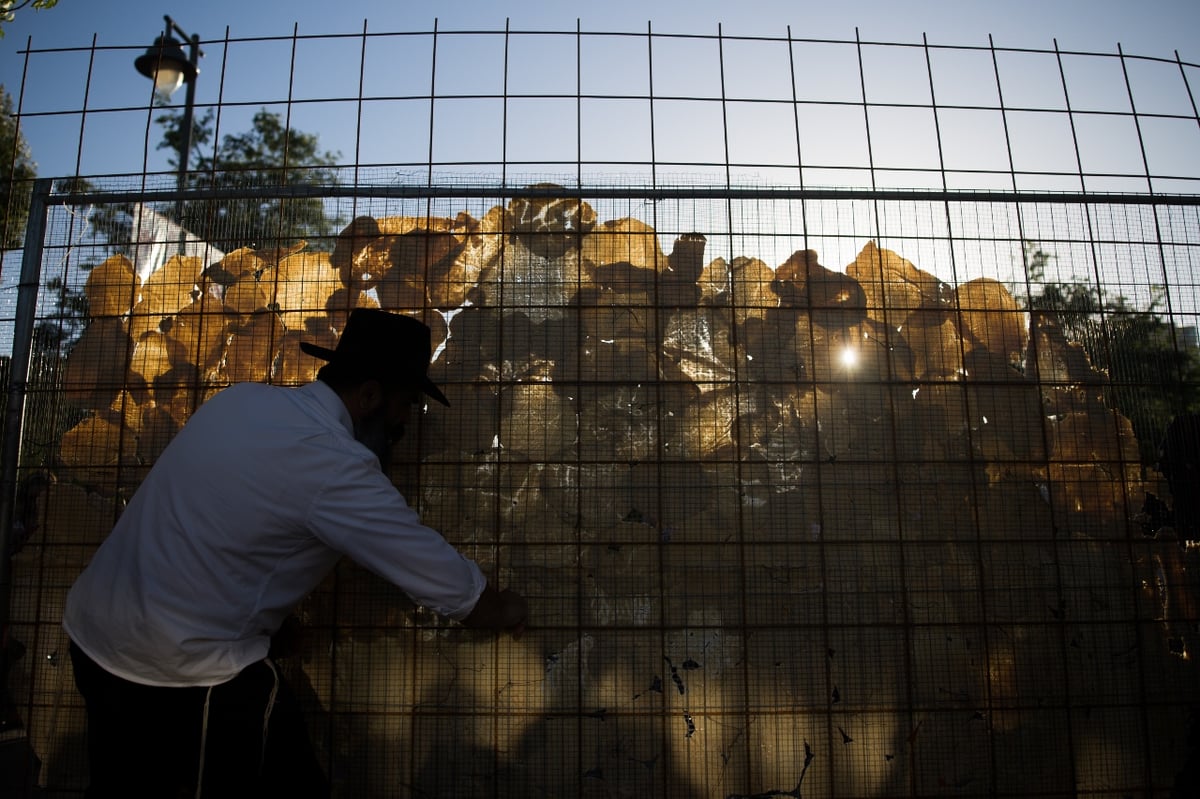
x=269 y=154
x=54 y=336
x=9 y=9
x=1153 y=373
x=59 y=333
x=17 y=172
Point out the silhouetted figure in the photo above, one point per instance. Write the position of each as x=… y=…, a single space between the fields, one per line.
x=1179 y=462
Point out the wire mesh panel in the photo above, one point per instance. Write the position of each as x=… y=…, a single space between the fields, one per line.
x=886 y=489
x=876 y=526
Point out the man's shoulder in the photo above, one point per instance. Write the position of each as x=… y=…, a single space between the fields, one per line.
x=244 y=403
x=301 y=413
x=250 y=388
x=249 y=392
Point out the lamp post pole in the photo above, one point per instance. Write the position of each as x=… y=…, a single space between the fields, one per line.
x=166 y=65
x=189 y=105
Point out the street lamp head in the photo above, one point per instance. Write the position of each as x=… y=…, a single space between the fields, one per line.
x=165 y=63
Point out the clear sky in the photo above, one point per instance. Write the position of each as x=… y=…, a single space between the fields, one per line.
x=116 y=134
x=1145 y=27
x=1149 y=27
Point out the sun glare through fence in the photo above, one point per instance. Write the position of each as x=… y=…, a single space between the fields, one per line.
x=833 y=403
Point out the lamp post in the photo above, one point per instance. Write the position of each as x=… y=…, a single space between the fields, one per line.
x=165 y=63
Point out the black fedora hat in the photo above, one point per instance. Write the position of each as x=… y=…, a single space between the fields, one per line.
x=378 y=344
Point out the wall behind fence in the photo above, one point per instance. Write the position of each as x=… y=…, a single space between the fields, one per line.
x=846 y=492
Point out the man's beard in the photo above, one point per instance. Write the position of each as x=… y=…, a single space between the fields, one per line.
x=373 y=432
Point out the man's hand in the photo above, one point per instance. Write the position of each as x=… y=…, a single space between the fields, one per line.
x=499 y=610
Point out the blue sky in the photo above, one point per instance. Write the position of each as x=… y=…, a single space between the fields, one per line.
x=117 y=135
x=1145 y=26
x=56 y=83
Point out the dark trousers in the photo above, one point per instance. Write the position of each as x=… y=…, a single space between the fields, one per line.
x=147 y=741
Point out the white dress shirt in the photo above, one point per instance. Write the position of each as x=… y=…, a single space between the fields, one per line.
x=243 y=514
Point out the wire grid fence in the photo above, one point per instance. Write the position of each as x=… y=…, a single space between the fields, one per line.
x=861 y=530
x=648 y=105
x=815 y=492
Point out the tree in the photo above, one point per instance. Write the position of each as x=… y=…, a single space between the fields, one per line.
x=9 y=9
x=54 y=335
x=1153 y=374
x=269 y=154
x=17 y=171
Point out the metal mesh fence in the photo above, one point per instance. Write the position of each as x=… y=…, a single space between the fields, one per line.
x=846 y=492
x=878 y=529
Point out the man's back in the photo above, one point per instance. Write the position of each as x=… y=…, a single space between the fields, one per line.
x=216 y=546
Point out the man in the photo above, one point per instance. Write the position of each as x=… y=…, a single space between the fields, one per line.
x=244 y=513
x=1179 y=462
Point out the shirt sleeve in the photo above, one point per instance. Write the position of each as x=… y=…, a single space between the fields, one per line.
x=360 y=513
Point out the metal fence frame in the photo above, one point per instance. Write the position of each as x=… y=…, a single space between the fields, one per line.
x=726 y=172
x=45 y=198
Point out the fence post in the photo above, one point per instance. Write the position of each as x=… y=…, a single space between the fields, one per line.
x=27 y=296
